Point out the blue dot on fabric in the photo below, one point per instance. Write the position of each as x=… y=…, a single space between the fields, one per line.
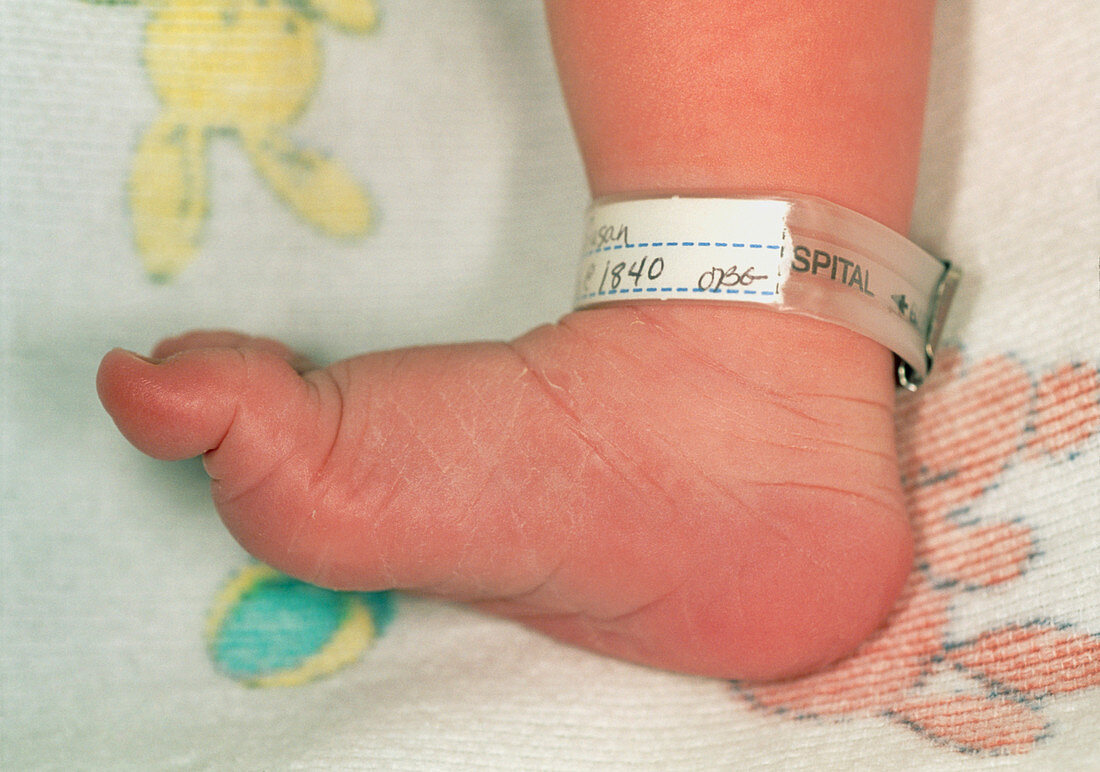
x=276 y=625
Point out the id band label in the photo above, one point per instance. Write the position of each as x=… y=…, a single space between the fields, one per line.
x=795 y=253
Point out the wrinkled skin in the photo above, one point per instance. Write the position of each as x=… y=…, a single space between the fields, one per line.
x=644 y=481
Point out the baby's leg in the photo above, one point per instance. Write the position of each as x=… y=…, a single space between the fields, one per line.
x=713 y=490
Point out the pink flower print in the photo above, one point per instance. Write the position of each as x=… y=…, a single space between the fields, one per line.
x=957 y=436
x=1067 y=409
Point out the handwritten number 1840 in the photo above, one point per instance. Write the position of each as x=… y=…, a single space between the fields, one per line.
x=615 y=274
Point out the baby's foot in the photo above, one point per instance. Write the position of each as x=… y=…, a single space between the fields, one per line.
x=707 y=489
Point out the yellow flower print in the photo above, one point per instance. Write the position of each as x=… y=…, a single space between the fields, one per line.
x=245 y=68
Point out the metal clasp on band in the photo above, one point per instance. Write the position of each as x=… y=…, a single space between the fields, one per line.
x=939 y=305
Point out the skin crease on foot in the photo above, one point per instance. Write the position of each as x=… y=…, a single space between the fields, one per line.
x=711 y=489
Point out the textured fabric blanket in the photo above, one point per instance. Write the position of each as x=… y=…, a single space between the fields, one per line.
x=406 y=175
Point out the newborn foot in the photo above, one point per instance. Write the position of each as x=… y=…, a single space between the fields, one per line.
x=709 y=490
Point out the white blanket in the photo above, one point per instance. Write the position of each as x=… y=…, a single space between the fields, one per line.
x=131 y=623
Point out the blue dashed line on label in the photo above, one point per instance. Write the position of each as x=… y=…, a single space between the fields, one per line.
x=634 y=290
x=655 y=244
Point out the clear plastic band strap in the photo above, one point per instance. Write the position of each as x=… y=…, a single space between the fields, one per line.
x=795 y=253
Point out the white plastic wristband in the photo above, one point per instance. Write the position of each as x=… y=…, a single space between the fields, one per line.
x=794 y=253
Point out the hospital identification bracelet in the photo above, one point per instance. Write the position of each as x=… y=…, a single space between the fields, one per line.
x=795 y=253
